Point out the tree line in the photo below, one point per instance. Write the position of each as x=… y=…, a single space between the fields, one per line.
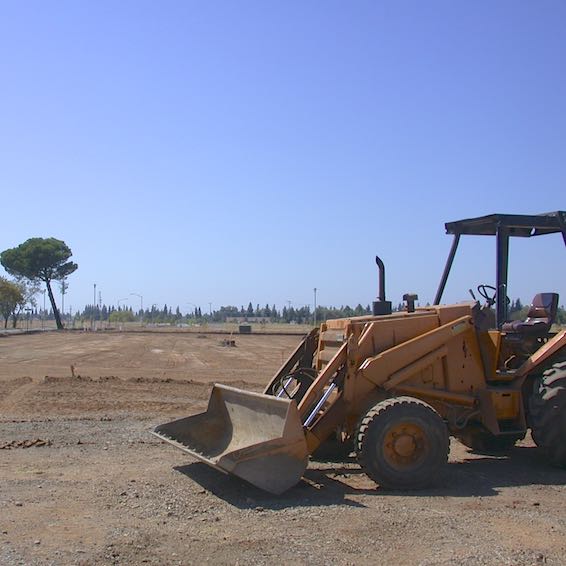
x=286 y=315
x=170 y=315
x=44 y=260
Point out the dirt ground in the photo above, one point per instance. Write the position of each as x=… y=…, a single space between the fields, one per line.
x=83 y=482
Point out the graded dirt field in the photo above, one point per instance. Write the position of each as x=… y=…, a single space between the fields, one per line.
x=83 y=482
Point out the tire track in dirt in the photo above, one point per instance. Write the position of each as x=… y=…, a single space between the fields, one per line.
x=14 y=398
x=111 y=395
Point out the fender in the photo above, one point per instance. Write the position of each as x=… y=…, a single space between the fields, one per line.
x=553 y=346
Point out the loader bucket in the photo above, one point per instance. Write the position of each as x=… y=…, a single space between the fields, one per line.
x=256 y=437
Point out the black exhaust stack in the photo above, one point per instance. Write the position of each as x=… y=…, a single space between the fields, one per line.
x=381 y=306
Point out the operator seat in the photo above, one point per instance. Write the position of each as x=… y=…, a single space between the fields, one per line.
x=540 y=317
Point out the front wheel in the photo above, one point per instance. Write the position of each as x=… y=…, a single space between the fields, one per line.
x=401 y=443
x=548 y=413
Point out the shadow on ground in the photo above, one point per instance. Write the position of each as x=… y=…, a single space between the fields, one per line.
x=333 y=484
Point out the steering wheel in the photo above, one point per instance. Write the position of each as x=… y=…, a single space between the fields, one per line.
x=489 y=297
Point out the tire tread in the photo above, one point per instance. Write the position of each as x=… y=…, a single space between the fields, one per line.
x=547 y=408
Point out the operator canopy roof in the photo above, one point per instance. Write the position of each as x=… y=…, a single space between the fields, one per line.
x=522 y=225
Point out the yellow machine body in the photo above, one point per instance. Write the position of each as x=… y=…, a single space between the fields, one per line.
x=437 y=354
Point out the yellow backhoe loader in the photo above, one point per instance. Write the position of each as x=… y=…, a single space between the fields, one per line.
x=395 y=385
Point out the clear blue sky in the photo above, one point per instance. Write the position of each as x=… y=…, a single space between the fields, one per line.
x=236 y=151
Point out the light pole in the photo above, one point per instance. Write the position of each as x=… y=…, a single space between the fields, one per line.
x=44 y=313
x=94 y=308
x=141 y=302
x=315 y=307
x=64 y=287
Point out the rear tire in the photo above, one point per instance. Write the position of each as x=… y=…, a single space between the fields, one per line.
x=548 y=413
x=402 y=443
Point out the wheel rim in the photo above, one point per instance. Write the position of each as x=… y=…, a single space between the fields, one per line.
x=404 y=445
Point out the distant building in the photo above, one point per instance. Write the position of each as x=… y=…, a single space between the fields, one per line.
x=250 y=319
